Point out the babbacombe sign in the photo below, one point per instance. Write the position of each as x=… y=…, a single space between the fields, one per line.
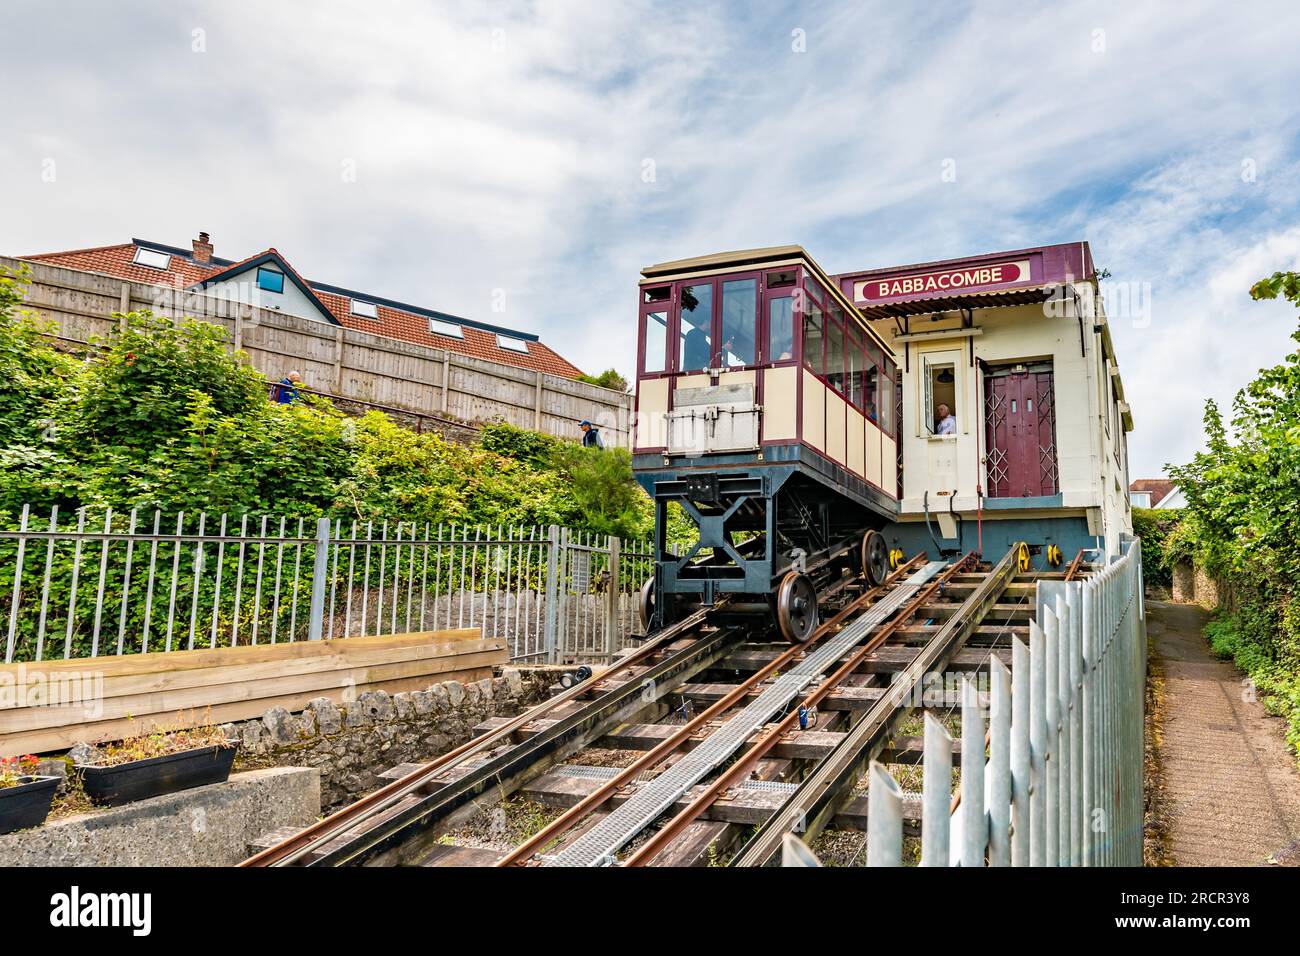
x=994 y=275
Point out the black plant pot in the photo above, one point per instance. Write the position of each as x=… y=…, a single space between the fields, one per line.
x=140 y=779
x=27 y=803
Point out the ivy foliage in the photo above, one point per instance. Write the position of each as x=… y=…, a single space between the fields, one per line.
x=162 y=417
x=610 y=378
x=1154 y=527
x=1242 y=520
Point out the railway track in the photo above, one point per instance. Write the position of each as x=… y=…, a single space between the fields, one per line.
x=725 y=743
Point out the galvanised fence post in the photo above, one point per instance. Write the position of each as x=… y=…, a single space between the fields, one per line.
x=936 y=792
x=318 y=579
x=999 y=793
x=611 y=598
x=552 y=599
x=1020 y=762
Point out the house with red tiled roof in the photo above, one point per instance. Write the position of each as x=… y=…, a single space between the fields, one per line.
x=267 y=280
x=1155 y=493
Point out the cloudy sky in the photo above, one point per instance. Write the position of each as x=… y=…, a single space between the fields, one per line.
x=436 y=153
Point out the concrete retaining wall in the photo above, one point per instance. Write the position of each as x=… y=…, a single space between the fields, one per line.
x=206 y=826
x=341 y=362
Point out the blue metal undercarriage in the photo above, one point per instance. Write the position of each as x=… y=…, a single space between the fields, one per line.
x=758 y=518
x=1069 y=533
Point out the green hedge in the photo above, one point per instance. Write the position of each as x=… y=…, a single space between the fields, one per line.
x=1242 y=522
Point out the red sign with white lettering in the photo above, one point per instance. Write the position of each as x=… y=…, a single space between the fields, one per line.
x=981 y=277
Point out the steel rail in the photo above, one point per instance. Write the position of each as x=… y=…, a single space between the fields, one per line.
x=1075 y=565
x=774 y=732
x=671 y=744
x=400 y=833
x=337 y=823
x=818 y=796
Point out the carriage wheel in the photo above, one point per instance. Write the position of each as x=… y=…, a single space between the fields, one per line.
x=796 y=607
x=646 y=606
x=875 y=558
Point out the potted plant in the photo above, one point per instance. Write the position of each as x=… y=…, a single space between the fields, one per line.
x=25 y=796
x=163 y=760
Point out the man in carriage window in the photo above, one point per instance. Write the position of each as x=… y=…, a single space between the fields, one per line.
x=696 y=350
x=945 y=424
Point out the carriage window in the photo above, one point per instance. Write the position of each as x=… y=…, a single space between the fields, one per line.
x=853 y=378
x=696 y=327
x=940 y=399
x=659 y=294
x=813 y=339
x=779 y=280
x=780 y=329
x=656 y=341
x=885 y=400
x=814 y=289
x=872 y=394
x=835 y=353
x=739 y=321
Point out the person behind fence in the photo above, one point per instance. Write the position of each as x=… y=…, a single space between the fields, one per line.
x=286 y=393
x=590 y=435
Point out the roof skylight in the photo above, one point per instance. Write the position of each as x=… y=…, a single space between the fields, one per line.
x=450 y=329
x=151 y=258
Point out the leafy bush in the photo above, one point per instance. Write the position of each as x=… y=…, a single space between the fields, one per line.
x=32 y=374
x=161 y=423
x=1154 y=528
x=610 y=378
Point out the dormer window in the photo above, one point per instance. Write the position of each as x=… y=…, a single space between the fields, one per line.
x=270 y=281
x=367 y=310
x=449 y=329
x=512 y=344
x=151 y=258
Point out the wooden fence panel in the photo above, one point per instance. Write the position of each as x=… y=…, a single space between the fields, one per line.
x=346 y=363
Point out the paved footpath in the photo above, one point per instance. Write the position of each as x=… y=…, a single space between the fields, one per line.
x=1232 y=789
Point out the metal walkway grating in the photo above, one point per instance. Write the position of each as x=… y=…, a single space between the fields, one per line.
x=582 y=771
x=598 y=845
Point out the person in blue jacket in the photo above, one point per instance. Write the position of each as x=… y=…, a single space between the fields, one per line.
x=286 y=393
x=590 y=435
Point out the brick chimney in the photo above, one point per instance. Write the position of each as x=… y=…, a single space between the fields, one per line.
x=202 y=248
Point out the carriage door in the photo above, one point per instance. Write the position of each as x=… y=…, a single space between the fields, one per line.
x=1020 y=432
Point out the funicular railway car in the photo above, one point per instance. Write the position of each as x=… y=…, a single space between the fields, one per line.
x=766 y=409
x=809 y=423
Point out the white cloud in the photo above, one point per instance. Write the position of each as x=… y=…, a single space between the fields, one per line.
x=500 y=146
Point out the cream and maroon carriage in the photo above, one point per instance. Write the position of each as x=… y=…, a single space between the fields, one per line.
x=766 y=408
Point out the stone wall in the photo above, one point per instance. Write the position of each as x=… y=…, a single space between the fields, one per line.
x=353 y=743
x=1192 y=585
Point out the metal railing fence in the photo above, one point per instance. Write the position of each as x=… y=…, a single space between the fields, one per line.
x=1058 y=781
x=92 y=584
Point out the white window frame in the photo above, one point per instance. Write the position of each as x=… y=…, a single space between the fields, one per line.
x=142 y=251
x=512 y=344
x=360 y=306
x=443 y=327
x=930 y=363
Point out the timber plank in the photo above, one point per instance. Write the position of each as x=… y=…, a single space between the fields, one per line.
x=340 y=659
x=64 y=736
x=155 y=661
x=41 y=717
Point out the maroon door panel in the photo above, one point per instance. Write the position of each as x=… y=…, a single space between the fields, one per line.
x=1020 y=432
